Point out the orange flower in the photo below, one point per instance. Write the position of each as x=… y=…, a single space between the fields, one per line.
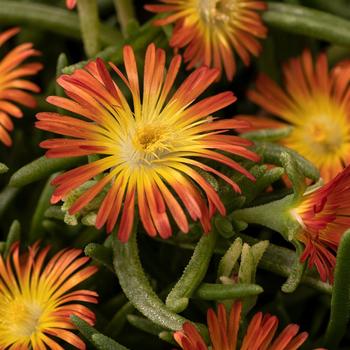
x=223 y=331
x=36 y=298
x=151 y=151
x=71 y=4
x=324 y=215
x=212 y=30
x=12 y=85
x=316 y=103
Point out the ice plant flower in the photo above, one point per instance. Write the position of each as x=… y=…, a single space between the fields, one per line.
x=315 y=101
x=13 y=88
x=37 y=298
x=317 y=219
x=150 y=151
x=324 y=215
x=224 y=327
x=212 y=31
x=71 y=4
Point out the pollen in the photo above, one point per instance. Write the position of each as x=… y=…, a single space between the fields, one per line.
x=151 y=139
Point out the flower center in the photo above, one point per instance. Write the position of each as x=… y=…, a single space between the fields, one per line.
x=20 y=317
x=149 y=142
x=326 y=134
x=217 y=12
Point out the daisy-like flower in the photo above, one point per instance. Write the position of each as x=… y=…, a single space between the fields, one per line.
x=13 y=88
x=36 y=298
x=152 y=152
x=316 y=103
x=324 y=215
x=223 y=331
x=71 y=4
x=212 y=31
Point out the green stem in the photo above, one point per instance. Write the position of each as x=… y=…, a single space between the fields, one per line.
x=89 y=25
x=340 y=304
x=50 y=18
x=146 y=34
x=41 y=168
x=116 y=324
x=126 y=13
x=137 y=288
x=105 y=343
x=213 y=291
x=309 y=22
x=271 y=154
x=62 y=62
x=100 y=341
x=335 y=7
x=278 y=260
x=7 y=195
x=100 y=254
x=274 y=215
x=144 y=324
x=13 y=236
x=177 y=299
x=36 y=228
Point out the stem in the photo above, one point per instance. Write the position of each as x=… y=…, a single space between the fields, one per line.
x=213 y=291
x=137 y=288
x=102 y=255
x=7 y=195
x=95 y=337
x=50 y=18
x=142 y=37
x=309 y=22
x=89 y=25
x=41 y=168
x=335 y=7
x=126 y=13
x=36 y=228
x=13 y=236
x=271 y=154
x=278 y=260
x=177 y=299
x=340 y=304
x=274 y=215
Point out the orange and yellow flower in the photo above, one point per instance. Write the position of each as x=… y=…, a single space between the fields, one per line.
x=13 y=88
x=316 y=103
x=71 y=4
x=223 y=331
x=212 y=31
x=36 y=298
x=152 y=151
x=324 y=215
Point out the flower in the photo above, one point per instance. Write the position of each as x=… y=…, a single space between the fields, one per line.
x=36 y=298
x=324 y=215
x=212 y=30
x=12 y=85
x=71 y=4
x=316 y=103
x=223 y=332
x=151 y=150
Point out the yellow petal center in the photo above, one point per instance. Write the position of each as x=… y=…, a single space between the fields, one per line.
x=19 y=317
x=147 y=143
x=217 y=11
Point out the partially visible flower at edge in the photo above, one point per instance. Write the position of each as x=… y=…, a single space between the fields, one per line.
x=152 y=150
x=213 y=31
x=316 y=102
x=224 y=327
x=36 y=298
x=324 y=215
x=12 y=85
x=71 y=4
